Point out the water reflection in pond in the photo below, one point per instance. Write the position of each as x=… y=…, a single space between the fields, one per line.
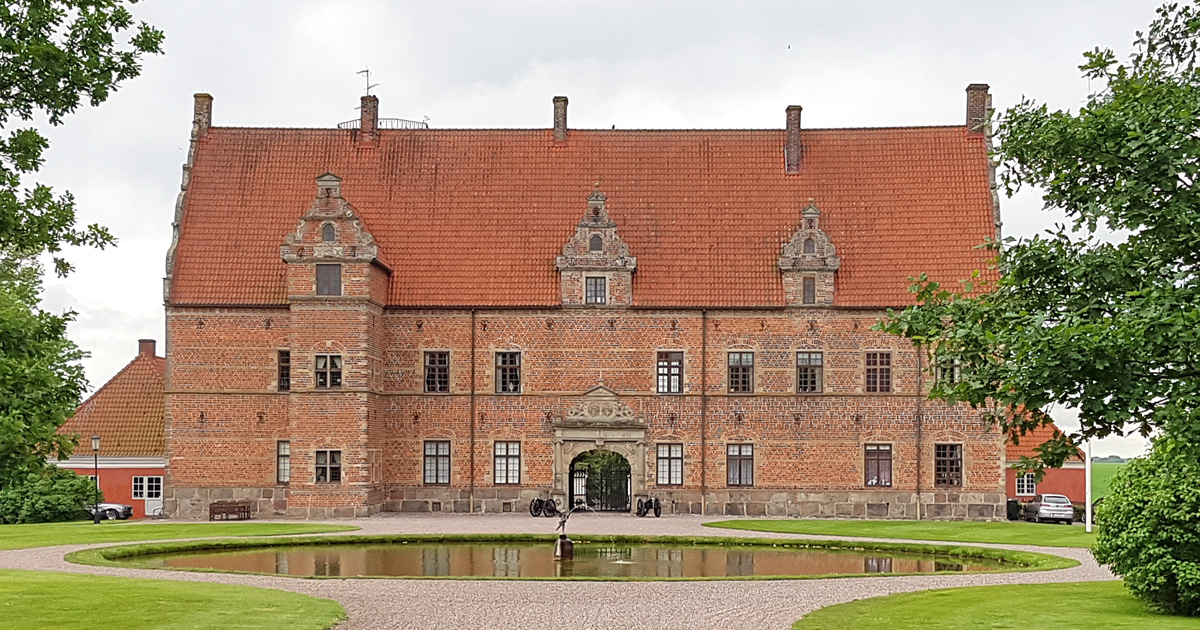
x=525 y=560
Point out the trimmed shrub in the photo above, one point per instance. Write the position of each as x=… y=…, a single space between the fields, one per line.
x=1150 y=528
x=48 y=495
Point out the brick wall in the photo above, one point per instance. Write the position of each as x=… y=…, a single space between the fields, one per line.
x=808 y=447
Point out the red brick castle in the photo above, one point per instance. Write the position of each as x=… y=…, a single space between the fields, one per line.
x=385 y=316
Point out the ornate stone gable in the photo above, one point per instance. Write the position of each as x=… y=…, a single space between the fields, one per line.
x=596 y=251
x=599 y=407
x=330 y=230
x=808 y=262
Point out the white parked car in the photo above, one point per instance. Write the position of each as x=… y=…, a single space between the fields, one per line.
x=1050 y=507
x=112 y=511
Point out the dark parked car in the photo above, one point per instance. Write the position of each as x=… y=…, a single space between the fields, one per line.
x=1050 y=507
x=112 y=511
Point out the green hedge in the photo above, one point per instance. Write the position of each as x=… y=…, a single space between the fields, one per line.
x=48 y=495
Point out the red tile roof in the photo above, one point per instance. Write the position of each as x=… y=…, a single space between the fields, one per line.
x=127 y=412
x=1032 y=440
x=476 y=217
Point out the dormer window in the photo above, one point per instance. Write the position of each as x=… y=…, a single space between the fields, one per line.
x=810 y=247
x=328 y=233
x=596 y=244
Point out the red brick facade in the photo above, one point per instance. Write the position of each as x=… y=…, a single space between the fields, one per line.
x=588 y=376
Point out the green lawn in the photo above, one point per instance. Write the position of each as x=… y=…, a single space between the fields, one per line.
x=1013 y=533
x=1071 y=606
x=1102 y=475
x=47 y=534
x=32 y=599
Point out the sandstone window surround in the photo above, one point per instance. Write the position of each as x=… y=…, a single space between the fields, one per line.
x=879 y=372
x=508 y=372
x=809 y=263
x=437 y=372
x=596 y=268
x=328 y=233
x=506 y=469
x=1026 y=485
x=739 y=464
x=328 y=371
x=284 y=372
x=670 y=464
x=328 y=466
x=877 y=460
x=283 y=462
x=810 y=372
x=741 y=372
x=670 y=372
x=437 y=463
x=948 y=465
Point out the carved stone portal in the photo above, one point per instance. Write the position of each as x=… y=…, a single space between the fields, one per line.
x=599 y=421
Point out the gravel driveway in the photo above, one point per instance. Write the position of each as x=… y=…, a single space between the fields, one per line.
x=378 y=604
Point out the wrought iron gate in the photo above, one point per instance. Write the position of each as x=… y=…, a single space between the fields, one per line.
x=602 y=482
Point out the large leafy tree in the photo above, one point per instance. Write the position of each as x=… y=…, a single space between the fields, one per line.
x=54 y=56
x=1110 y=326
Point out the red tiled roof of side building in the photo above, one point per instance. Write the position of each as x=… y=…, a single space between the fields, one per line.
x=1032 y=440
x=477 y=217
x=127 y=412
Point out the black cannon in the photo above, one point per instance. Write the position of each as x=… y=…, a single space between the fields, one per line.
x=652 y=504
x=543 y=507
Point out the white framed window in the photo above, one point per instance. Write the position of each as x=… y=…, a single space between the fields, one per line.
x=147 y=487
x=1026 y=485
x=670 y=464
x=507 y=463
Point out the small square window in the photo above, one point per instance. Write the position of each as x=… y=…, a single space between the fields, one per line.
x=1026 y=485
x=328 y=466
x=328 y=371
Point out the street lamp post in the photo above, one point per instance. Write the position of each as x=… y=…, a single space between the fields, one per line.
x=96 y=474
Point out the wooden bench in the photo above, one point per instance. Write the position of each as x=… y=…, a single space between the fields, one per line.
x=226 y=509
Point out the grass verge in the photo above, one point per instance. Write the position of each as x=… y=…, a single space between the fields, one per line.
x=1102 y=474
x=138 y=556
x=34 y=599
x=1009 y=533
x=1069 y=606
x=47 y=534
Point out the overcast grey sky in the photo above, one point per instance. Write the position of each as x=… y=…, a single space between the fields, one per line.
x=693 y=64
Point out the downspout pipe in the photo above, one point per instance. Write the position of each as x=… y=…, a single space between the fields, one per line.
x=471 y=502
x=920 y=420
x=703 y=412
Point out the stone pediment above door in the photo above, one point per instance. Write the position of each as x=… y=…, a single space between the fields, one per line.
x=600 y=407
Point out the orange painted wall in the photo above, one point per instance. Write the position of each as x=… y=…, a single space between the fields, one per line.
x=117 y=485
x=1071 y=482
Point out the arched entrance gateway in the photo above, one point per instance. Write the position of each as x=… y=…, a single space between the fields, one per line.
x=603 y=439
x=600 y=480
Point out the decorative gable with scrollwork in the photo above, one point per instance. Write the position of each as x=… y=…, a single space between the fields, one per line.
x=809 y=262
x=596 y=251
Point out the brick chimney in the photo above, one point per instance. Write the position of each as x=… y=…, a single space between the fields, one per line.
x=979 y=105
x=368 y=126
x=201 y=114
x=146 y=347
x=560 y=118
x=792 y=149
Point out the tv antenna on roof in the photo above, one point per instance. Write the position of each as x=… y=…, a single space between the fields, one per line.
x=367 y=73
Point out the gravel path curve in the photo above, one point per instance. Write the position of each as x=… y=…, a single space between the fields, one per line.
x=375 y=604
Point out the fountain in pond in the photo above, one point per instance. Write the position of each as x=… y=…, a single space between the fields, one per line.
x=564 y=548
